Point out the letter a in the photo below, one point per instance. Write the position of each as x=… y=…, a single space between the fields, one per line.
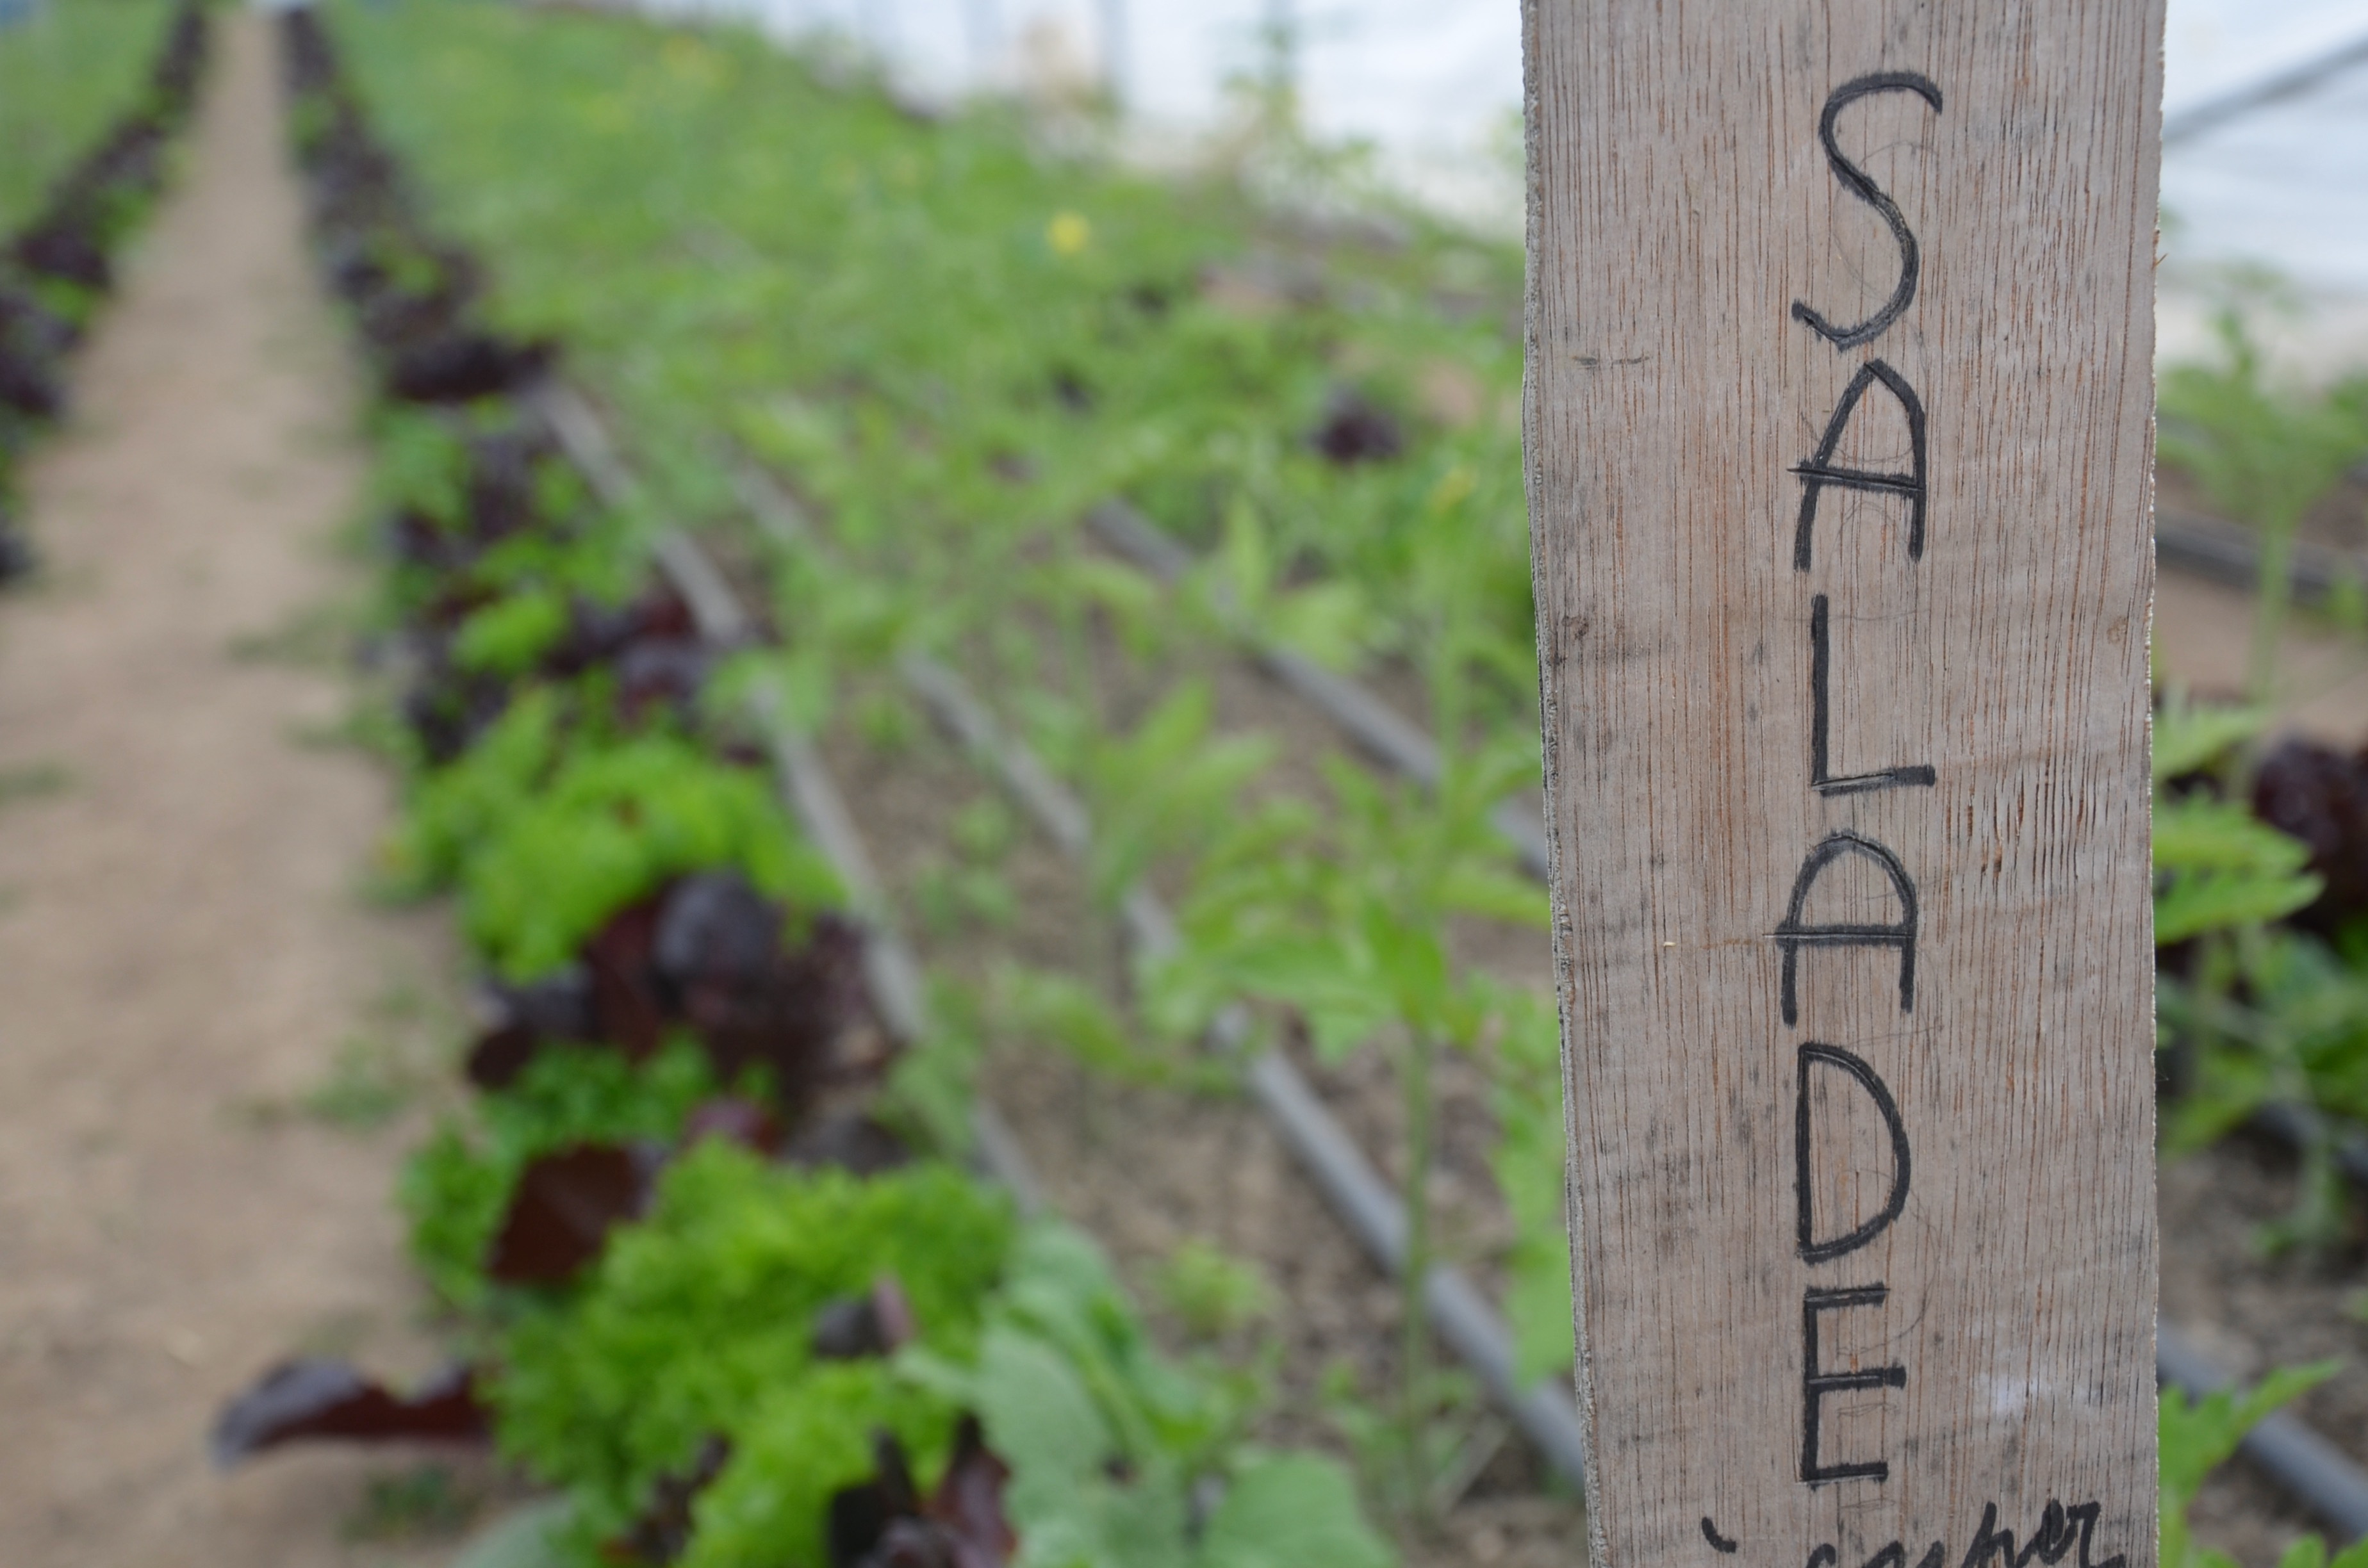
x=1821 y=470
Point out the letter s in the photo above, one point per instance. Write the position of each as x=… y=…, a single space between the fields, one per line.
x=1866 y=190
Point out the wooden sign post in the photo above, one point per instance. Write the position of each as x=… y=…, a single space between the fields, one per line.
x=1840 y=440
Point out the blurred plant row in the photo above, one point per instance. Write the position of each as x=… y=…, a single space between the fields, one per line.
x=67 y=72
x=86 y=138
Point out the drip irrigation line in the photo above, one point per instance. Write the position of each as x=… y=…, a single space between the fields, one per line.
x=2228 y=552
x=2314 y=1470
x=2303 y=1128
x=1362 y=1198
x=2306 y=1464
x=891 y=973
x=2292 y=83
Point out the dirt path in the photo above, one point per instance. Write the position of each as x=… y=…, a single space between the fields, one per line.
x=182 y=951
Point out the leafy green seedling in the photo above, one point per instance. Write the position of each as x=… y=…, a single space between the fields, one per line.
x=2217 y=866
x=985 y=830
x=422 y=1502
x=368 y=1087
x=1115 y=1452
x=1054 y=1007
x=1169 y=787
x=971 y=890
x=2199 y=1436
x=952 y=896
x=2310 y=1552
x=887 y=722
x=1450 y=1446
x=510 y=636
x=34 y=781
x=1214 y=1294
x=1346 y=923
x=2190 y=736
x=1525 y=1078
x=1241 y=588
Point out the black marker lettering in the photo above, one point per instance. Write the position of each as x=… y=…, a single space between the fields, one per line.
x=1821 y=779
x=1717 y=1541
x=1816 y=1384
x=1812 y=1249
x=1820 y=470
x=2054 y=1537
x=1793 y=934
x=1855 y=180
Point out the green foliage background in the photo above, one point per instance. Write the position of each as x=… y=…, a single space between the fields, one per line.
x=65 y=75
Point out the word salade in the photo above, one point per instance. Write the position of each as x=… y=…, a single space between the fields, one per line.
x=1838 y=433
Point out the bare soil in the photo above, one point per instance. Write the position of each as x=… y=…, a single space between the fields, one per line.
x=199 y=1005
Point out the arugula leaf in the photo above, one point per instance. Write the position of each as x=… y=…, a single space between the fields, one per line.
x=1291 y=1510
x=2218 y=866
x=2199 y=1436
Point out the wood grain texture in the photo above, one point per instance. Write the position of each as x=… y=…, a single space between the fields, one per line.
x=1682 y=203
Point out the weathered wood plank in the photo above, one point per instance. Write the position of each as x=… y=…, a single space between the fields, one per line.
x=1849 y=800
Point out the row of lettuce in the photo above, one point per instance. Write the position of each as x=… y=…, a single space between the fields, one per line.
x=88 y=139
x=721 y=1275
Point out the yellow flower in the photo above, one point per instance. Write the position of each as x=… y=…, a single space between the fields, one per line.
x=1453 y=489
x=689 y=61
x=1068 y=233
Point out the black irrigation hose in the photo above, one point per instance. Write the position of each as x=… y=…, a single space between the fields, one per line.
x=2313 y=1469
x=2305 y=1464
x=2300 y=1126
x=2228 y=553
